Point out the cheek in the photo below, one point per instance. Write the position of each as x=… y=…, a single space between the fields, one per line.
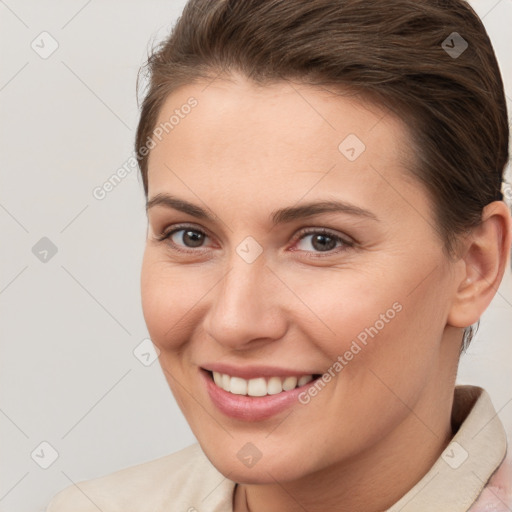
x=372 y=323
x=337 y=307
x=169 y=296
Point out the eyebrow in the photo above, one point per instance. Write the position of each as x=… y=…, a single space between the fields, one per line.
x=280 y=216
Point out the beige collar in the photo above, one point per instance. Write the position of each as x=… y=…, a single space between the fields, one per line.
x=461 y=472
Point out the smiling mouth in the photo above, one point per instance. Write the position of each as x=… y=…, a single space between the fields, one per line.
x=260 y=386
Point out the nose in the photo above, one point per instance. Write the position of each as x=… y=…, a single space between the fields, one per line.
x=247 y=310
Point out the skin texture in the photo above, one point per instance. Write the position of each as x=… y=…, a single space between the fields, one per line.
x=377 y=427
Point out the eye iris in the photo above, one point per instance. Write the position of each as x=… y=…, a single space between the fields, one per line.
x=323 y=242
x=195 y=239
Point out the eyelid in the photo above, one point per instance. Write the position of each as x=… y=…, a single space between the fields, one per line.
x=346 y=241
x=327 y=231
x=166 y=233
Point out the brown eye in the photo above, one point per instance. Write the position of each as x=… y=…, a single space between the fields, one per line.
x=188 y=237
x=320 y=241
x=323 y=242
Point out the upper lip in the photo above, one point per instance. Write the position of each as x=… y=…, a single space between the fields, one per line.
x=254 y=371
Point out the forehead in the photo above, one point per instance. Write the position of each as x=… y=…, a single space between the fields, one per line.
x=278 y=139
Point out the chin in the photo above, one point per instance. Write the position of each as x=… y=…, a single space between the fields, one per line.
x=235 y=463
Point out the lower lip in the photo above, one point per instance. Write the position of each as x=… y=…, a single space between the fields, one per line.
x=248 y=408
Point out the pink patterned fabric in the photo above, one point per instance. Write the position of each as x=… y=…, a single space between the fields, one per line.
x=497 y=494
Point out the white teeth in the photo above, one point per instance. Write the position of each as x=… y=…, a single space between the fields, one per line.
x=217 y=377
x=238 y=386
x=289 y=383
x=274 y=386
x=258 y=386
x=304 y=380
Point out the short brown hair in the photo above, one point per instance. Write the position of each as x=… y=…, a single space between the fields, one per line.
x=394 y=52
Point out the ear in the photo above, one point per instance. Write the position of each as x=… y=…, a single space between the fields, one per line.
x=484 y=260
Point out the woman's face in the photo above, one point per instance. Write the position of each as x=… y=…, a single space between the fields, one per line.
x=297 y=246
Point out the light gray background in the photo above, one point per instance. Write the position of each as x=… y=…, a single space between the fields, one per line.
x=69 y=376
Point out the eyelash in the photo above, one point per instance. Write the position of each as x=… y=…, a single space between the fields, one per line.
x=346 y=244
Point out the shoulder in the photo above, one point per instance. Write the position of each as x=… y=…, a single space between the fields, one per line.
x=182 y=478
